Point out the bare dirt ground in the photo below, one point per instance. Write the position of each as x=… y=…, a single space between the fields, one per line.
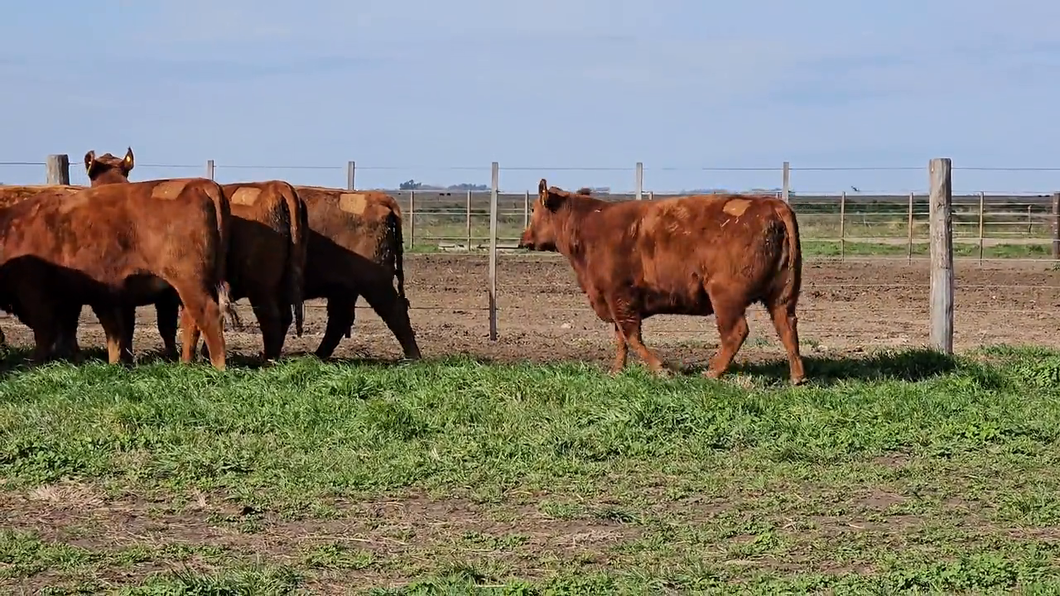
x=543 y=316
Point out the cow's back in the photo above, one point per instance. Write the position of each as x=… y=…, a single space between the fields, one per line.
x=268 y=242
x=351 y=229
x=12 y=194
x=108 y=232
x=674 y=248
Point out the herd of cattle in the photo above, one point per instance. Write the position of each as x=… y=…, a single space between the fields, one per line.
x=192 y=246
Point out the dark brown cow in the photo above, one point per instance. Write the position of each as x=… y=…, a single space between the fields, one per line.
x=100 y=247
x=267 y=257
x=693 y=255
x=269 y=226
x=108 y=169
x=356 y=249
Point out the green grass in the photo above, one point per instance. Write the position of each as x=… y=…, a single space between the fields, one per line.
x=899 y=471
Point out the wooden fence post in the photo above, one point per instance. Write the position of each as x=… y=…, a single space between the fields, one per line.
x=982 y=210
x=842 y=226
x=469 y=220
x=1055 y=221
x=351 y=172
x=57 y=169
x=787 y=182
x=640 y=180
x=909 y=256
x=942 y=280
x=209 y=169
x=494 y=189
x=412 y=218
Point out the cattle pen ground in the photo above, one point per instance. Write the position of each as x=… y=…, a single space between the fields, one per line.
x=519 y=466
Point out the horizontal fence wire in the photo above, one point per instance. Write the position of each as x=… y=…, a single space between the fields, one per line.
x=850 y=240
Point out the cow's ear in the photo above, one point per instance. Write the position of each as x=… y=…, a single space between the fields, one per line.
x=542 y=189
x=552 y=201
x=90 y=158
x=127 y=162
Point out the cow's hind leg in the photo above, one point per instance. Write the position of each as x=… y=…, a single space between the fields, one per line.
x=167 y=312
x=112 y=321
x=621 y=351
x=267 y=312
x=340 y=319
x=732 y=329
x=786 y=324
x=66 y=341
x=202 y=313
x=189 y=337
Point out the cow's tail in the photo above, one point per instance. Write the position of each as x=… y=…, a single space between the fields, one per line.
x=791 y=264
x=296 y=256
x=224 y=226
x=397 y=249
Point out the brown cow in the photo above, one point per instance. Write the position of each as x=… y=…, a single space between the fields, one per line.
x=12 y=194
x=693 y=255
x=269 y=225
x=108 y=169
x=100 y=247
x=356 y=249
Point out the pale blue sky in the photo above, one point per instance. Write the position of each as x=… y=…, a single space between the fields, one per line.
x=422 y=86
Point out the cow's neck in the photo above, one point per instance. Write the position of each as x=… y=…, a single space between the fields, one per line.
x=575 y=219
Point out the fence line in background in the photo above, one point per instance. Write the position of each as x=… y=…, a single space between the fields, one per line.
x=942 y=212
x=422 y=206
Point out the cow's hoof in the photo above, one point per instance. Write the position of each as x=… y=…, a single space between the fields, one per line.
x=796 y=381
x=711 y=374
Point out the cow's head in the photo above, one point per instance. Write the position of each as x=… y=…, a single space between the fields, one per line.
x=108 y=169
x=544 y=227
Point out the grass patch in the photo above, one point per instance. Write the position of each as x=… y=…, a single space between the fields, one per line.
x=899 y=471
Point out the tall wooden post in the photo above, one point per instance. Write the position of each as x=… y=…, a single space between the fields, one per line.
x=942 y=278
x=494 y=190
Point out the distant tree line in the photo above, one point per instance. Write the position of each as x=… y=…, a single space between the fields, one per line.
x=413 y=185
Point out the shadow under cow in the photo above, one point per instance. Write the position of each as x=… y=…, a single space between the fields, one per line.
x=909 y=366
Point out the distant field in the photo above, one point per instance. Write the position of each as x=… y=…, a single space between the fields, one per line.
x=888 y=473
x=1013 y=226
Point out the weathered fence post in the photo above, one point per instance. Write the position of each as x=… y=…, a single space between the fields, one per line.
x=57 y=169
x=1055 y=225
x=640 y=180
x=982 y=227
x=909 y=256
x=651 y=195
x=942 y=280
x=842 y=226
x=351 y=172
x=787 y=182
x=526 y=210
x=469 y=220
x=412 y=218
x=209 y=169
x=494 y=189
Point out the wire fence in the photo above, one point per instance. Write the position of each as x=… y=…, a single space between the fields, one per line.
x=866 y=283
